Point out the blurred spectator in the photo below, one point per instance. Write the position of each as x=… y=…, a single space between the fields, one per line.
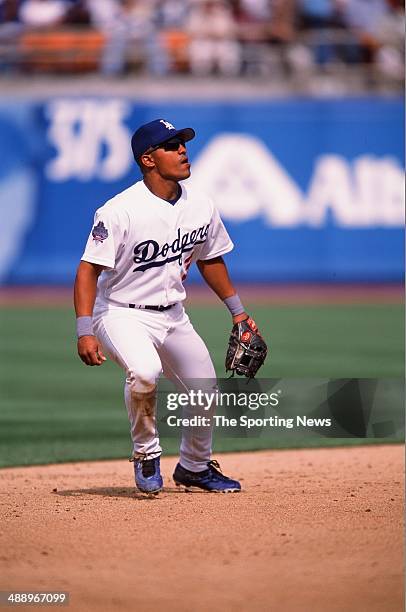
x=252 y=19
x=362 y=18
x=102 y=12
x=264 y=33
x=231 y=37
x=171 y=14
x=77 y=13
x=391 y=26
x=258 y=10
x=9 y=10
x=43 y=13
x=391 y=38
x=250 y=26
x=364 y=15
x=321 y=17
x=214 y=44
x=244 y=16
x=129 y=29
x=283 y=20
x=318 y=13
x=170 y=18
x=265 y=21
x=10 y=29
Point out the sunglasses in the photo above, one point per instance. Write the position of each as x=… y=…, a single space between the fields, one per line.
x=169 y=145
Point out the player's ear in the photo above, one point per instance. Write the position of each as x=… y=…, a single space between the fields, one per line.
x=147 y=161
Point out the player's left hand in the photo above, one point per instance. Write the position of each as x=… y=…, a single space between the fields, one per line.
x=90 y=351
x=247 y=349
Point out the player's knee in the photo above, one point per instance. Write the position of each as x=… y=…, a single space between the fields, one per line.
x=142 y=381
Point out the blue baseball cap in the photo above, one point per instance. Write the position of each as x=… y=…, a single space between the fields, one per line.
x=155 y=133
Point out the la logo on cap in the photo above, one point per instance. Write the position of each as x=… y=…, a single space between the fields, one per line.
x=167 y=124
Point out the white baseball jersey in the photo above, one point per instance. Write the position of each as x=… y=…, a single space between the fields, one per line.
x=148 y=244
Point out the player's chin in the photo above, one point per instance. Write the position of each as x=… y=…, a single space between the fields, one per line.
x=184 y=172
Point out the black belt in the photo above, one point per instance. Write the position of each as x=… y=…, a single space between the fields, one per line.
x=148 y=307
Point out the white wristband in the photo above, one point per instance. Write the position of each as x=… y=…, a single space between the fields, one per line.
x=84 y=326
x=234 y=305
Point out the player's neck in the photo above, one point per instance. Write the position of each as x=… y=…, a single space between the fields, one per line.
x=162 y=188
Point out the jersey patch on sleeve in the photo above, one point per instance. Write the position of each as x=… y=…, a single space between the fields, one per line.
x=100 y=232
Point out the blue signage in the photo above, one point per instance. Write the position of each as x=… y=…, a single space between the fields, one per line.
x=310 y=190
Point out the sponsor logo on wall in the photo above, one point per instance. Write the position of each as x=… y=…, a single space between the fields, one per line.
x=91 y=142
x=248 y=182
x=90 y=138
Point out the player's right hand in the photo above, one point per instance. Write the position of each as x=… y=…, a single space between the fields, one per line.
x=90 y=351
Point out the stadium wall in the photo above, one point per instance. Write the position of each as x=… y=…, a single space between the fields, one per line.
x=310 y=190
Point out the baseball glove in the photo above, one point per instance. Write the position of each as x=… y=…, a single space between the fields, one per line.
x=246 y=350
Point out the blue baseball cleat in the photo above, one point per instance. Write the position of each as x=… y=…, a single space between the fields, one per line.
x=209 y=480
x=148 y=475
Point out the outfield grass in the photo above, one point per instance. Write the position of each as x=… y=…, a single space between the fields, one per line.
x=53 y=408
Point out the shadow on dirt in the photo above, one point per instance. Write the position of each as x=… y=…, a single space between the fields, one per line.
x=128 y=492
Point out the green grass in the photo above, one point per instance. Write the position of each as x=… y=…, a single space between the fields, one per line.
x=53 y=408
x=317 y=341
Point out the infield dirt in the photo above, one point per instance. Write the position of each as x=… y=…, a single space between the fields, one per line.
x=317 y=530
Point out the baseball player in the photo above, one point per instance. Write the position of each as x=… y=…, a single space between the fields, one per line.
x=129 y=293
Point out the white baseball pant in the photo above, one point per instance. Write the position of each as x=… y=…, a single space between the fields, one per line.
x=146 y=343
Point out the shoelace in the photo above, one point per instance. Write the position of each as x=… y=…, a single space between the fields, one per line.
x=215 y=464
x=148 y=468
